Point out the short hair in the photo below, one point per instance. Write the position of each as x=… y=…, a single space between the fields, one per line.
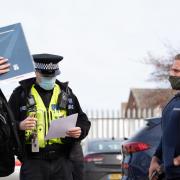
x=177 y=57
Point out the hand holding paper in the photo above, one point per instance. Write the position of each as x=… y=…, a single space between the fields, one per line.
x=63 y=127
x=74 y=132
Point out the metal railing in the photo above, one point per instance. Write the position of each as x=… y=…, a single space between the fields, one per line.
x=110 y=124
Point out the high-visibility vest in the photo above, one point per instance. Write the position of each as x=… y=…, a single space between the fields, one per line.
x=44 y=117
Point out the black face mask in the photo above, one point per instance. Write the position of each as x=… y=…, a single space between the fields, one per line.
x=175 y=82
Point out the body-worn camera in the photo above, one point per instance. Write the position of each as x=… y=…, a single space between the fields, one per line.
x=31 y=101
x=31 y=104
x=63 y=100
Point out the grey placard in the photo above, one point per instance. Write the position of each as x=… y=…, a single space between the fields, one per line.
x=13 y=46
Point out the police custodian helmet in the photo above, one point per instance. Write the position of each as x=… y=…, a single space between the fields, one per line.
x=47 y=64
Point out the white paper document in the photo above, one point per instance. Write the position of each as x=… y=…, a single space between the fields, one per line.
x=59 y=127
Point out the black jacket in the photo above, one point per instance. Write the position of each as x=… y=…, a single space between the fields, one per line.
x=18 y=102
x=169 y=146
x=9 y=141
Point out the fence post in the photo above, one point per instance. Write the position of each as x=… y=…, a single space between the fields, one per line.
x=108 y=124
x=113 y=121
x=102 y=115
x=92 y=122
x=118 y=123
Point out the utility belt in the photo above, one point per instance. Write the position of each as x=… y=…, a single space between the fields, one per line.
x=50 y=152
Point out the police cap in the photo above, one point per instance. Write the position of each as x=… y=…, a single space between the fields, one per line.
x=47 y=64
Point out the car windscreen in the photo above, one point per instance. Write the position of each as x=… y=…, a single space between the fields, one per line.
x=104 y=146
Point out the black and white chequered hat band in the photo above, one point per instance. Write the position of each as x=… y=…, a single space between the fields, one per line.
x=43 y=66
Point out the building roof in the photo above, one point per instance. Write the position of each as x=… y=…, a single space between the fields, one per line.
x=123 y=105
x=152 y=98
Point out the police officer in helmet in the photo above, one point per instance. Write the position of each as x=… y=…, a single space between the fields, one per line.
x=35 y=104
x=9 y=142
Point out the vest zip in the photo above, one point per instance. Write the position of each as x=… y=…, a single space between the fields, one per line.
x=45 y=132
x=47 y=110
x=51 y=116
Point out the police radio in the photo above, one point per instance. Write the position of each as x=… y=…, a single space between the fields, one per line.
x=32 y=108
x=31 y=103
x=63 y=98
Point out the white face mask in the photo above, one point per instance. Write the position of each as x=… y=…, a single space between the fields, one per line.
x=47 y=83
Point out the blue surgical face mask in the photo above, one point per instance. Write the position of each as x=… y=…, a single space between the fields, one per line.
x=47 y=83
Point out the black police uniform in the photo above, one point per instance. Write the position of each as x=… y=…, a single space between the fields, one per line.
x=77 y=160
x=45 y=164
x=9 y=141
x=169 y=146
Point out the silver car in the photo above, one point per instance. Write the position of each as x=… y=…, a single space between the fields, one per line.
x=102 y=159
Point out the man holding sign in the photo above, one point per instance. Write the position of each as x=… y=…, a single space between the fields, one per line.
x=9 y=141
x=35 y=104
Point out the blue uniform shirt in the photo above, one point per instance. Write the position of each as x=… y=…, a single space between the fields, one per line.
x=169 y=146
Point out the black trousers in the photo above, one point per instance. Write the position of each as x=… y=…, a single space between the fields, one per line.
x=78 y=170
x=76 y=157
x=38 y=169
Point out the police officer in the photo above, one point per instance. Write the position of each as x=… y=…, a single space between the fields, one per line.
x=9 y=142
x=35 y=103
x=169 y=147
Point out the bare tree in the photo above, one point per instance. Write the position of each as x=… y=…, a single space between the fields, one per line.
x=161 y=65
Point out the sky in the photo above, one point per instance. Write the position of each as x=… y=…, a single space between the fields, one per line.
x=103 y=42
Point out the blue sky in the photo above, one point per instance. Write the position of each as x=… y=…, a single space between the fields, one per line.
x=102 y=41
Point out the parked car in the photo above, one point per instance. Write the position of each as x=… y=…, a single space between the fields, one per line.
x=102 y=158
x=139 y=149
x=15 y=175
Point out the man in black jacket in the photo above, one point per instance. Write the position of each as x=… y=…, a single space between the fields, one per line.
x=9 y=142
x=168 y=150
x=35 y=103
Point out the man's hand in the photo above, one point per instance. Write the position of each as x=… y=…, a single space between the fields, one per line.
x=4 y=65
x=154 y=166
x=74 y=132
x=28 y=124
x=176 y=161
